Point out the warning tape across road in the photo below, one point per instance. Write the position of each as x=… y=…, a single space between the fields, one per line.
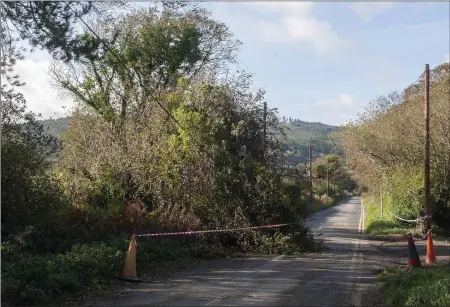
x=193 y=232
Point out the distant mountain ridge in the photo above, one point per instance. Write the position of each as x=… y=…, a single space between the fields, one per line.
x=300 y=135
x=56 y=126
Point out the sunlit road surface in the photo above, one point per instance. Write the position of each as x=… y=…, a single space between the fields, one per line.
x=341 y=276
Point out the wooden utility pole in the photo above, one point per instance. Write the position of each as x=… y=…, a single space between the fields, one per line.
x=328 y=182
x=310 y=176
x=427 y=147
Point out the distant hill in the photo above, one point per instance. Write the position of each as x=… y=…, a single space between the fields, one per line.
x=300 y=135
x=55 y=126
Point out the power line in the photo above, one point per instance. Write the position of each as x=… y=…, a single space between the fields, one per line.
x=134 y=75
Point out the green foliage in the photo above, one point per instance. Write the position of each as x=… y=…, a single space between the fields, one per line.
x=376 y=225
x=406 y=194
x=158 y=46
x=381 y=157
x=31 y=279
x=108 y=188
x=127 y=167
x=29 y=195
x=322 y=203
x=299 y=135
x=331 y=176
x=297 y=241
x=422 y=287
x=51 y=25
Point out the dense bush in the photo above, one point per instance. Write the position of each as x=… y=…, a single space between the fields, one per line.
x=31 y=278
x=405 y=194
x=29 y=194
x=210 y=166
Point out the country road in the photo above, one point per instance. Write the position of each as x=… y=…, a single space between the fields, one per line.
x=343 y=275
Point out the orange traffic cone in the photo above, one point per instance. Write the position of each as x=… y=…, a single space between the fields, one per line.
x=129 y=270
x=414 y=260
x=431 y=255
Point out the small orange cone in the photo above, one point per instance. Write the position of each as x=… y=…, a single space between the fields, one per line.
x=414 y=260
x=431 y=255
x=129 y=270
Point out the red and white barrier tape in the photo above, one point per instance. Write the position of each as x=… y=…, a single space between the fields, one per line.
x=193 y=232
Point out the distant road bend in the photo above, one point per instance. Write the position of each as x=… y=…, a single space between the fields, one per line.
x=342 y=276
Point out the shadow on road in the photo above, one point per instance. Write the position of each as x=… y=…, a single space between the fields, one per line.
x=344 y=275
x=256 y=281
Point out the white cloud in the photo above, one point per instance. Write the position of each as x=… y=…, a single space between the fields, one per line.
x=368 y=10
x=41 y=97
x=339 y=102
x=301 y=8
x=296 y=24
x=320 y=34
x=336 y=110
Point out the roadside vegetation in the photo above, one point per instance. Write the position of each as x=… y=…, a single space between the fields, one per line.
x=298 y=136
x=377 y=225
x=426 y=286
x=384 y=150
x=323 y=202
x=174 y=143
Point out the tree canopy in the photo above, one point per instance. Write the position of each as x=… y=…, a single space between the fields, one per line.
x=385 y=146
x=166 y=135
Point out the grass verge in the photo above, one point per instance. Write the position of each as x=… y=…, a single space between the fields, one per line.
x=322 y=204
x=425 y=286
x=375 y=225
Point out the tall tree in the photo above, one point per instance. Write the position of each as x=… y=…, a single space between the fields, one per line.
x=29 y=196
x=212 y=169
x=157 y=47
x=51 y=25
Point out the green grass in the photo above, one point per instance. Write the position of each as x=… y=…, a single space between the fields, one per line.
x=375 y=225
x=425 y=286
x=319 y=205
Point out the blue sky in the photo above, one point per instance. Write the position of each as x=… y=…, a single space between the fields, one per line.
x=317 y=61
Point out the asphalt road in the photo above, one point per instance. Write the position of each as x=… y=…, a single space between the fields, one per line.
x=341 y=276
